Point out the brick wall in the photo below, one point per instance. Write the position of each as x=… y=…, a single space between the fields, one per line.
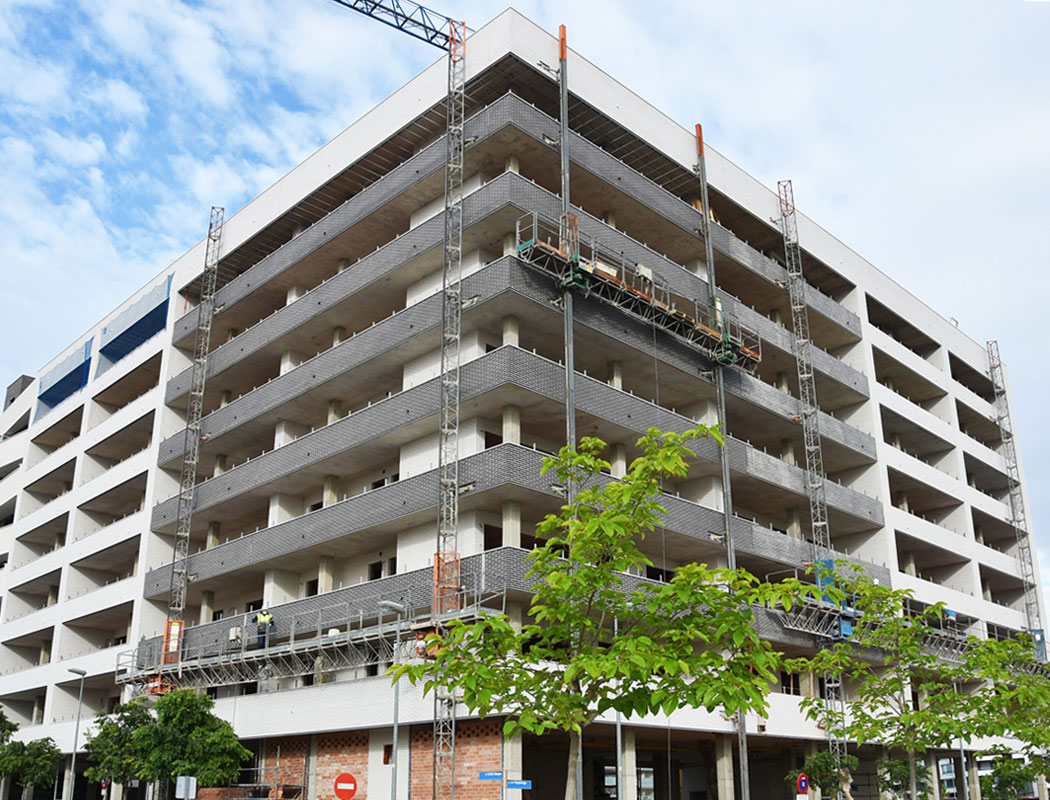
x=338 y=753
x=219 y=793
x=288 y=765
x=479 y=748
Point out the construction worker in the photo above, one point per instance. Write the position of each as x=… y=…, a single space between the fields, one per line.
x=263 y=623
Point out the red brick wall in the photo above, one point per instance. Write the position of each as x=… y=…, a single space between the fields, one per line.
x=479 y=748
x=338 y=753
x=289 y=765
x=220 y=793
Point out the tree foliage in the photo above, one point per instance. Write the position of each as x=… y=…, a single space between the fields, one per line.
x=691 y=642
x=33 y=763
x=181 y=736
x=825 y=772
x=1011 y=777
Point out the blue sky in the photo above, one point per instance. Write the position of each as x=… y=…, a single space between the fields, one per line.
x=915 y=132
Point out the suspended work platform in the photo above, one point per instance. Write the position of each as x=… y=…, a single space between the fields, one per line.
x=581 y=265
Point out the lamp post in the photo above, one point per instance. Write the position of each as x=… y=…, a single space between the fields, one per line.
x=395 y=608
x=76 y=734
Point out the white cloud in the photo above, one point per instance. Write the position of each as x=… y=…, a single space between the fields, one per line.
x=119 y=99
x=74 y=150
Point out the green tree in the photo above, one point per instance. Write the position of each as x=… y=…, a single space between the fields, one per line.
x=901 y=692
x=188 y=739
x=33 y=763
x=1010 y=776
x=691 y=642
x=179 y=736
x=825 y=772
x=111 y=748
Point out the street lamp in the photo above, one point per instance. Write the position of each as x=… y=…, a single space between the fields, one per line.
x=76 y=733
x=395 y=608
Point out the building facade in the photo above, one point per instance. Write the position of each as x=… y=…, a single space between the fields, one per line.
x=317 y=482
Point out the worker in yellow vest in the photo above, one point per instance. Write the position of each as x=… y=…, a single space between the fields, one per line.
x=263 y=623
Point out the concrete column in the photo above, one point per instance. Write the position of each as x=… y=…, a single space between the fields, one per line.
x=511 y=425
x=211 y=539
x=325 y=574
x=812 y=748
x=615 y=379
x=972 y=776
x=630 y=765
x=908 y=564
x=776 y=316
x=933 y=777
x=342 y=264
x=225 y=397
x=697 y=267
x=279 y=586
x=511 y=164
x=294 y=293
x=311 y=763
x=705 y=491
x=902 y=501
x=510 y=244
x=511 y=330
x=704 y=411
x=330 y=495
x=514 y=758
x=787 y=451
x=207 y=606
x=1040 y=785
x=231 y=334
x=286 y=431
x=45 y=653
x=794 y=523
x=290 y=360
x=618 y=460
x=782 y=382
x=338 y=335
x=724 y=765
x=511 y=513
x=335 y=410
x=221 y=465
x=284 y=507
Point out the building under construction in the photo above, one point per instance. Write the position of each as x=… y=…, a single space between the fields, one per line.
x=336 y=407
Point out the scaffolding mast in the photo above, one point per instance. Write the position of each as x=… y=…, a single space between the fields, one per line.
x=807 y=385
x=1018 y=518
x=173 y=629
x=834 y=692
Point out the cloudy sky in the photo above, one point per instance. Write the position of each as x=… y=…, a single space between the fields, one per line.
x=915 y=132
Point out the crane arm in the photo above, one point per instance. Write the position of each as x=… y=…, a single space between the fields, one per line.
x=419 y=21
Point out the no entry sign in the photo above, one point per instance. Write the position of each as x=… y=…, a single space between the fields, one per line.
x=345 y=786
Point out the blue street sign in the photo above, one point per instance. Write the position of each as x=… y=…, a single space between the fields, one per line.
x=519 y=784
x=490 y=776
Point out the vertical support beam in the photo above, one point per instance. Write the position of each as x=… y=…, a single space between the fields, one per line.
x=724 y=766
x=630 y=765
x=570 y=347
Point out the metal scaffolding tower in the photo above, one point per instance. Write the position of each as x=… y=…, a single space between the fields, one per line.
x=834 y=692
x=1018 y=518
x=807 y=385
x=173 y=629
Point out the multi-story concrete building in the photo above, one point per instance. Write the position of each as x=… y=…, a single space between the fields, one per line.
x=318 y=487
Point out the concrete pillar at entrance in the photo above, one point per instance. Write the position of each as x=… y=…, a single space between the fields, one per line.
x=207 y=606
x=794 y=523
x=514 y=757
x=325 y=575
x=812 y=748
x=973 y=777
x=510 y=330
x=933 y=776
x=511 y=427
x=630 y=766
x=618 y=461
x=211 y=538
x=511 y=164
x=311 y=769
x=724 y=765
x=615 y=374
x=511 y=523
x=787 y=451
x=330 y=496
x=338 y=335
x=335 y=410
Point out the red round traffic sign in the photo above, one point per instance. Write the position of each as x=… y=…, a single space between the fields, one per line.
x=345 y=786
x=803 y=783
